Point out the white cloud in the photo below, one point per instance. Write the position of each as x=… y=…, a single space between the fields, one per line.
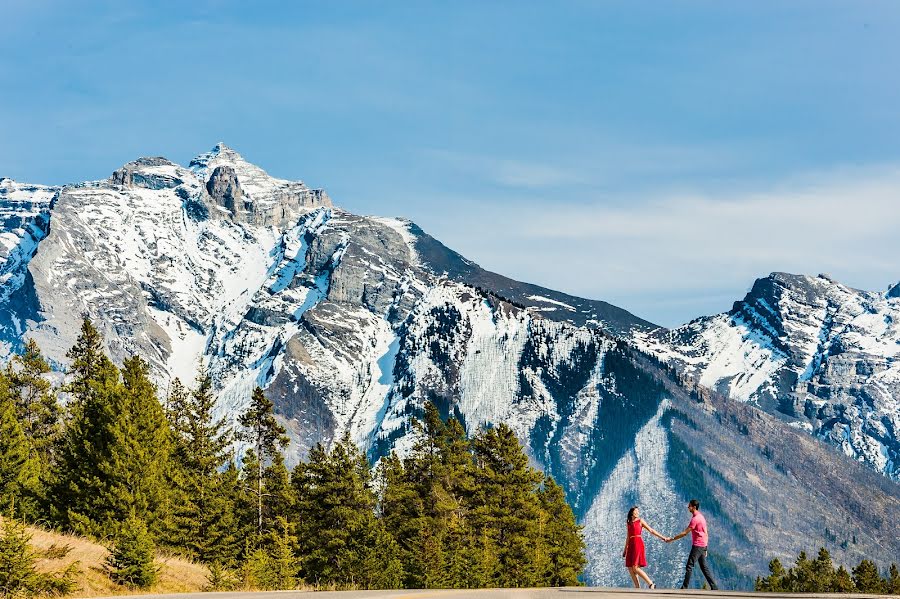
x=689 y=245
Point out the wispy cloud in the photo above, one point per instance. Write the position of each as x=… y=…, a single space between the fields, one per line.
x=692 y=244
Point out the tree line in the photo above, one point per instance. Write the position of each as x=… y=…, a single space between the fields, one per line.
x=819 y=575
x=117 y=464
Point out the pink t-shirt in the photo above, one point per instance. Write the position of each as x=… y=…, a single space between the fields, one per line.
x=698 y=530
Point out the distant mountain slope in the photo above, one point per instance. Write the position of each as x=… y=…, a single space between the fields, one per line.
x=818 y=354
x=768 y=489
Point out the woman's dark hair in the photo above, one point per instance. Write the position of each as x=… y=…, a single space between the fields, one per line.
x=694 y=503
x=630 y=517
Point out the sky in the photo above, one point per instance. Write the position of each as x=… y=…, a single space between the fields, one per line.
x=659 y=156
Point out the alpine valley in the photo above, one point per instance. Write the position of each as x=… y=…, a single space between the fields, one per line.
x=782 y=415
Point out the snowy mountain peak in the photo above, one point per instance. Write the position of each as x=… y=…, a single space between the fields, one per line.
x=894 y=291
x=819 y=354
x=249 y=183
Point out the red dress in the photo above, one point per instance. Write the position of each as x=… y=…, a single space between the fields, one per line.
x=634 y=553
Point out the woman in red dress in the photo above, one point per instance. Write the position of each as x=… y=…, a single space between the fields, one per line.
x=634 y=555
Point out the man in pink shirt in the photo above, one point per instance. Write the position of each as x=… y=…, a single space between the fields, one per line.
x=697 y=528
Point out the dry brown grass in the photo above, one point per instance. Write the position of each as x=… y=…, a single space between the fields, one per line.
x=176 y=575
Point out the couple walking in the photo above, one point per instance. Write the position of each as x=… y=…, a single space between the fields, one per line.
x=635 y=558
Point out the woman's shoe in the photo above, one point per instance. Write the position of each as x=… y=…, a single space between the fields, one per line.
x=652 y=585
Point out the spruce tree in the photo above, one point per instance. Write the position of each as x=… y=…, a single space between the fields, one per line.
x=139 y=462
x=114 y=456
x=842 y=582
x=823 y=572
x=36 y=402
x=266 y=436
x=892 y=584
x=341 y=540
x=507 y=511
x=562 y=538
x=131 y=560
x=18 y=575
x=203 y=518
x=867 y=579
x=87 y=439
x=776 y=581
x=18 y=468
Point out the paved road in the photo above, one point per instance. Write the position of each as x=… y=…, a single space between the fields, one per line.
x=561 y=593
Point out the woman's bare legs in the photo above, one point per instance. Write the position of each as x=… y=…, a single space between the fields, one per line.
x=642 y=574
x=634 y=578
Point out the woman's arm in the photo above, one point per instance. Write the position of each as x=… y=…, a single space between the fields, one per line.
x=625 y=550
x=651 y=531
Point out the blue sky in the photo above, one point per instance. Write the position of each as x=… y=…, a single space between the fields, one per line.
x=656 y=155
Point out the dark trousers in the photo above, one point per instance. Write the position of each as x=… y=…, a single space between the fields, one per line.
x=698 y=554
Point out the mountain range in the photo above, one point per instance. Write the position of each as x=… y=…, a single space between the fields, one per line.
x=782 y=414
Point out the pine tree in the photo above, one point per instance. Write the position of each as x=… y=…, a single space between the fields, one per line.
x=279 y=494
x=131 y=561
x=341 y=541
x=562 y=538
x=823 y=572
x=273 y=565
x=37 y=406
x=139 y=463
x=892 y=584
x=776 y=581
x=507 y=510
x=842 y=582
x=266 y=436
x=114 y=457
x=203 y=519
x=801 y=577
x=18 y=470
x=94 y=382
x=18 y=574
x=867 y=579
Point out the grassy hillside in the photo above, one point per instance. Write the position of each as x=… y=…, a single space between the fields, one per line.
x=176 y=575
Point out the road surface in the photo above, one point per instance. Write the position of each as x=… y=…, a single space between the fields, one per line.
x=558 y=593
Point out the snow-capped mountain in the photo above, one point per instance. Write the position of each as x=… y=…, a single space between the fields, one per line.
x=352 y=323
x=819 y=354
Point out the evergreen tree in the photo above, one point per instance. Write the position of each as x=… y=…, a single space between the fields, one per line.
x=892 y=584
x=776 y=581
x=842 y=582
x=204 y=516
x=139 y=461
x=280 y=496
x=266 y=436
x=18 y=469
x=273 y=566
x=19 y=575
x=507 y=511
x=87 y=439
x=424 y=497
x=36 y=402
x=131 y=561
x=114 y=457
x=562 y=539
x=867 y=579
x=801 y=577
x=822 y=572
x=341 y=540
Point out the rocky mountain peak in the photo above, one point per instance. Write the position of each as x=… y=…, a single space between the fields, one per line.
x=894 y=291
x=224 y=188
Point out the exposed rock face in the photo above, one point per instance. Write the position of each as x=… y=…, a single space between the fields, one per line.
x=352 y=324
x=225 y=189
x=816 y=353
